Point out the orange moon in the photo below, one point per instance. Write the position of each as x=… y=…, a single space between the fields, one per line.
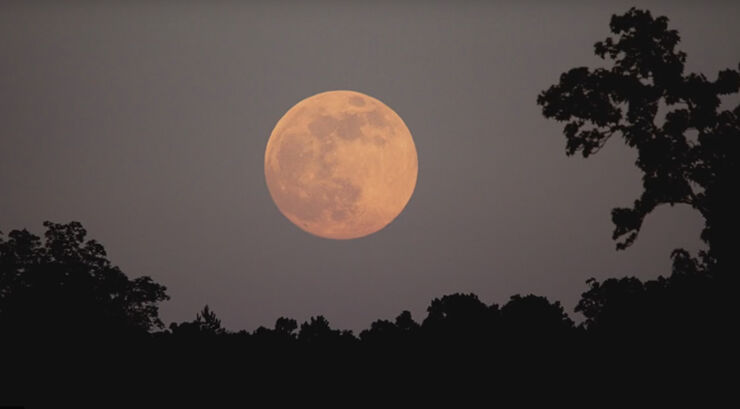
x=341 y=165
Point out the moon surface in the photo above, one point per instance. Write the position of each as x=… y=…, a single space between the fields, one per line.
x=341 y=165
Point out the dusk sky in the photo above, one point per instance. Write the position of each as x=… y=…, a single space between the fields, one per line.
x=148 y=123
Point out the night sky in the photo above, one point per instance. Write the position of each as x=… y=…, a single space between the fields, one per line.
x=148 y=124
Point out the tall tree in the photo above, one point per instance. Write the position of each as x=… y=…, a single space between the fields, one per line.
x=646 y=76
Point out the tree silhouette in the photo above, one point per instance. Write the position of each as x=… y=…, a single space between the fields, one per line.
x=647 y=76
x=286 y=327
x=316 y=330
x=68 y=287
x=205 y=324
x=535 y=318
x=385 y=332
x=282 y=335
x=693 y=304
x=406 y=323
x=614 y=305
x=208 y=321
x=458 y=317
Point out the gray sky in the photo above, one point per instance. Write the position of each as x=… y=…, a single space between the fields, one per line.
x=148 y=124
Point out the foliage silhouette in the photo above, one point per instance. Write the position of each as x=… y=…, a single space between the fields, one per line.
x=66 y=286
x=646 y=77
x=623 y=316
x=286 y=327
x=535 y=318
x=692 y=304
x=318 y=332
x=459 y=318
x=385 y=333
x=205 y=324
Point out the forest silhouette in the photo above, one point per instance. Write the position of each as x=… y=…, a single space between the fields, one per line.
x=63 y=303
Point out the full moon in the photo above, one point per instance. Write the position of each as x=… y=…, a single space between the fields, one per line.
x=341 y=165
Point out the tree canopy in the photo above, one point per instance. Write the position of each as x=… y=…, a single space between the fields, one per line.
x=687 y=141
x=66 y=285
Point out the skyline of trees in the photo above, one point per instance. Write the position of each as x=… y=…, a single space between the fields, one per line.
x=66 y=286
x=76 y=331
